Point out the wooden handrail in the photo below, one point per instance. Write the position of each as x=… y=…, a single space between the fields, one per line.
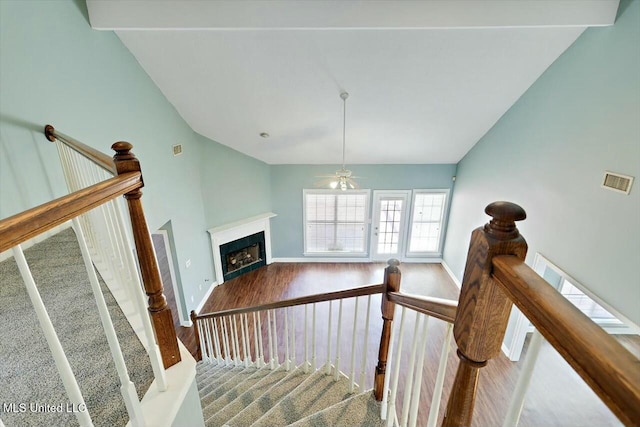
x=25 y=225
x=96 y=156
x=611 y=371
x=309 y=299
x=443 y=309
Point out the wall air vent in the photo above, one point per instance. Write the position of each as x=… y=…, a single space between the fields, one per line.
x=177 y=149
x=617 y=182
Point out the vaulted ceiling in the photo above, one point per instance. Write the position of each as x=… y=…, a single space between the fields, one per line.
x=427 y=79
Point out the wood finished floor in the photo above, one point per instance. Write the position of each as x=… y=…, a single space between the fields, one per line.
x=557 y=397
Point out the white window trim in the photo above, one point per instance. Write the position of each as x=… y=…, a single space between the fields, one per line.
x=337 y=254
x=443 y=224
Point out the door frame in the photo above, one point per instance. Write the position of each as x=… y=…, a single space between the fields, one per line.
x=176 y=291
x=375 y=218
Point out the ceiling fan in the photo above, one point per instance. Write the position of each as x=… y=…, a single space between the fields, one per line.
x=343 y=178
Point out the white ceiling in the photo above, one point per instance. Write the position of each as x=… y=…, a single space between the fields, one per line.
x=427 y=79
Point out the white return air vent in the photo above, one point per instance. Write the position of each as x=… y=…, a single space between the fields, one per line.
x=617 y=182
x=177 y=149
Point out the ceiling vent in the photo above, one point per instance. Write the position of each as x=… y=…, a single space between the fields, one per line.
x=177 y=149
x=617 y=182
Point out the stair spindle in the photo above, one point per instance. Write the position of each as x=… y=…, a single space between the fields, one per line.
x=337 y=363
x=328 y=364
x=417 y=383
x=353 y=347
x=365 y=347
x=409 y=378
x=442 y=369
x=286 y=339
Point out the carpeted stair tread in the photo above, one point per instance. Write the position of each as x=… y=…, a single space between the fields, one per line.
x=210 y=383
x=317 y=392
x=246 y=398
x=233 y=393
x=218 y=392
x=255 y=410
x=204 y=369
x=28 y=371
x=361 y=410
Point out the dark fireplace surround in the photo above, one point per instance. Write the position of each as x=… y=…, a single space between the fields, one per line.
x=243 y=255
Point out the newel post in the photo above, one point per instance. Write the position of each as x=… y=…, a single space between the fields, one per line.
x=159 y=311
x=196 y=331
x=391 y=284
x=483 y=309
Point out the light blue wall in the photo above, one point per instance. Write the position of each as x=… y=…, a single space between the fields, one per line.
x=234 y=186
x=55 y=69
x=288 y=181
x=548 y=154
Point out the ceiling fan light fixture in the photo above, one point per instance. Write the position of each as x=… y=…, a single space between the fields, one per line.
x=343 y=179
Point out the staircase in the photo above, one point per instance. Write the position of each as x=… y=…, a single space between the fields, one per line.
x=261 y=397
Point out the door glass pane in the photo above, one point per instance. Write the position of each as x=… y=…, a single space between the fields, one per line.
x=389 y=226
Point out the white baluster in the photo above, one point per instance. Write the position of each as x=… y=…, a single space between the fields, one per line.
x=353 y=346
x=388 y=412
x=365 y=347
x=442 y=369
x=286 y=339
x=225 y=342
x=409 y=378
x=260 y=343
x=328 y=364
x=313 y=340
x=60 y=359
x=207 y=340
x=271 y=359
x=127 y=388
x=306 y=342
x=256 y=344
x=293 y=337
x=275 y=338
x=245 y=340
x=336 y=373
x=236 y=342
x=201 y=336
x=387 y=377
x=517 y=399
x=216 y=341
x=212 y=340
x=417 y=382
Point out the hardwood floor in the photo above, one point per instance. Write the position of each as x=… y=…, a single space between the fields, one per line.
x=557 y=396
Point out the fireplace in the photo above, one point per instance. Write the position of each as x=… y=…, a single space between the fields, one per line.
x=242 y=255
x=241 y=246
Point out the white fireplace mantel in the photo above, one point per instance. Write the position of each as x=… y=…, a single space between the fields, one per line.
x=236 y=230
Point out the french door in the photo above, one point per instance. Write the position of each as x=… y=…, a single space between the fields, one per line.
x=388 y=231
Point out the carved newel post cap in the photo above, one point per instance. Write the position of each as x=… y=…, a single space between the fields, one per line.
x=48 y=132
x=393 y=262
x=121 y=147
x=505 y=215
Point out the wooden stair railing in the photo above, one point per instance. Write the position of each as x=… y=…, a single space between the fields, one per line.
x=126 y=167
x=495 y=277
x=222 y=337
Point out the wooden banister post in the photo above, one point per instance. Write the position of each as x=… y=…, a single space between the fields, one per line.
x=483 y=309
x=391 y=284
x=159 y=311
x=194 y=318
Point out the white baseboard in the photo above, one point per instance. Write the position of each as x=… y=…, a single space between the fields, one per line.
x=450 y=273
x=205 y=298
x=320 y=259
x=353 y=260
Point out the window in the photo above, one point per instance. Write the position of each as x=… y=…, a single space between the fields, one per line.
x=427 y=216
x=335 y=223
